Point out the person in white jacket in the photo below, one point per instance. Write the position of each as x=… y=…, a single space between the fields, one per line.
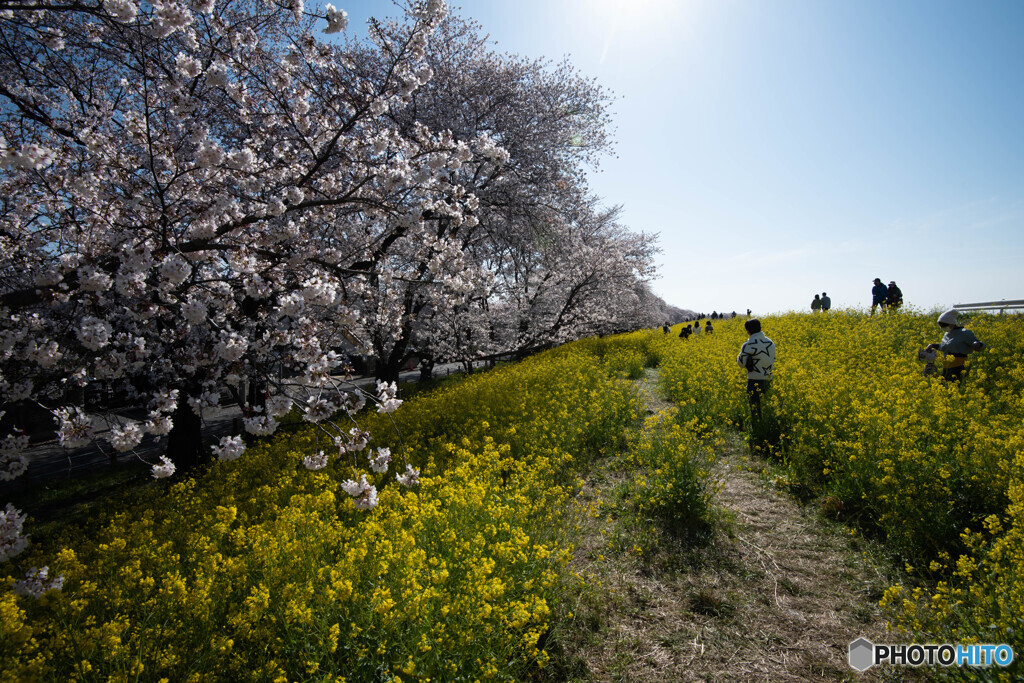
x=757 y=357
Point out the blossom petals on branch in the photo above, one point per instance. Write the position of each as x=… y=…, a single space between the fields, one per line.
x=163 y=469
x=318 y=410
x=337 y=19
x=37 y=581
x=74 y=428
x=410 y=478
x=125 y=437
x=382 y=461
x=230 y=448
x=12 y=463
x=364 y=494
x=12 y=542
x=208 y=399
x=123 y=11
x=260 y=425
x=94 y=333
x=317 y=461
x=387 y=393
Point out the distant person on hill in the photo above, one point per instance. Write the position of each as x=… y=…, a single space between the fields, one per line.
x=816 y=304
x=879 y=296
x=708 y=330
x=665 y=328
x=894 y=297
x=757 y=357
x=956 y=345
x=826 y=303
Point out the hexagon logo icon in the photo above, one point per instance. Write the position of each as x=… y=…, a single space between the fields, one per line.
x=862 y=653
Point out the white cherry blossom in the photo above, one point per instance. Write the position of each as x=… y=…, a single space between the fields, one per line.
x=337 y=20
x=12 y=541
x=37 y=581
x=165 y=468
x=229 y=448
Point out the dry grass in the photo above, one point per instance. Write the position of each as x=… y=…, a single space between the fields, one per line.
x=776 y=595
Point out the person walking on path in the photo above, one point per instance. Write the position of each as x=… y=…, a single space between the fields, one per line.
x=894 y=296
x=879 y=296
x=956 y=345
x=757 y=357
x=826 y=303
x=816 y=304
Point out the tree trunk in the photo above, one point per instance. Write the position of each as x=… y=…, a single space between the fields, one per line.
x=185 y=441
x=256 y=396
x=389 y=363
x=387 y=370
x=426 y=370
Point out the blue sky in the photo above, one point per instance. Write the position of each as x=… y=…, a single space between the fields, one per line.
x=791 y=147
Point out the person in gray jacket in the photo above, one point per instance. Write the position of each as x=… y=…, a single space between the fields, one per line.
x=757 y=357
x=956 y=345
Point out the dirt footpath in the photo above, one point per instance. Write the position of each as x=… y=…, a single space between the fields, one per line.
x=778 y=595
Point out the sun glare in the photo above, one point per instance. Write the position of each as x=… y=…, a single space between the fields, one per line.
x=631 y=14
x=624 y=24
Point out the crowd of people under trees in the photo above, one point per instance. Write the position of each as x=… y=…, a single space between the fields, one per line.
x=693 y=324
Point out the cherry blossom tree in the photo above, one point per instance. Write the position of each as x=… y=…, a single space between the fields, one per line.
x=529 y=210
x=200 y=196
x=192 y=194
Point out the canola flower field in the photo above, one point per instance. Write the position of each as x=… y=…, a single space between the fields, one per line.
x=260 y=569
x=935 y=469
x=263 y=570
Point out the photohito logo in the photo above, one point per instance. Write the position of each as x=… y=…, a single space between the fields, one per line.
x=864 y=654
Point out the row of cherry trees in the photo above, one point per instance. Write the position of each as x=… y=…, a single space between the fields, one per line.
x=553 y=265
x=200 y=195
